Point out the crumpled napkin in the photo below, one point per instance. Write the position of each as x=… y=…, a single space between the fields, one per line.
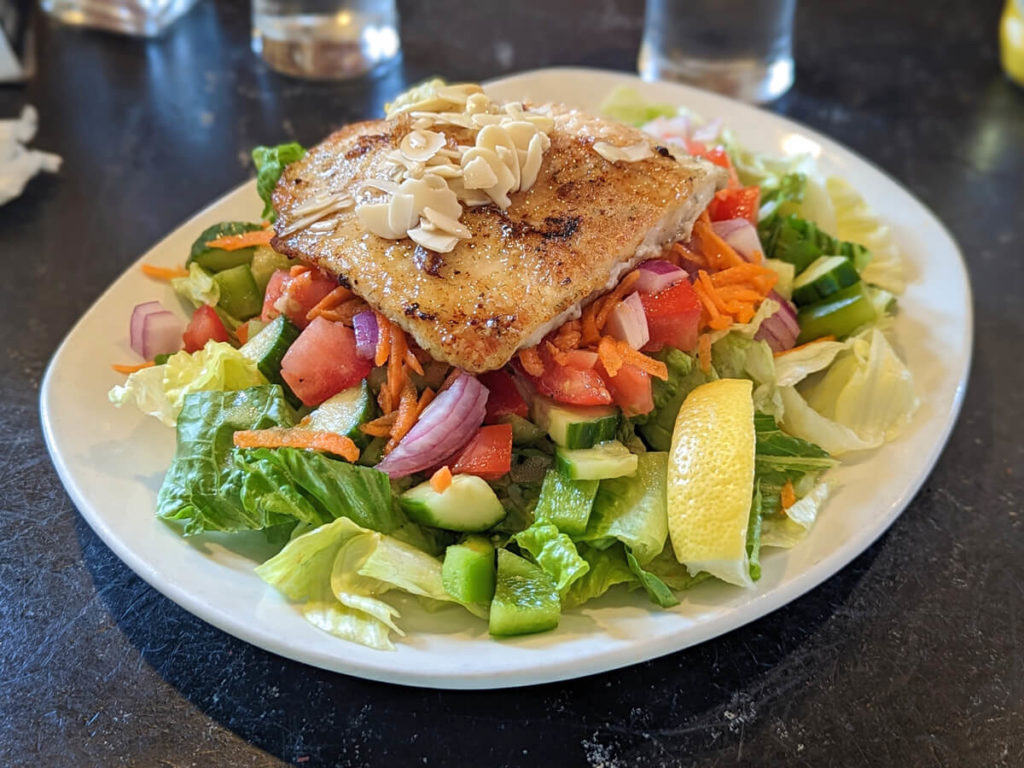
x=18 y=163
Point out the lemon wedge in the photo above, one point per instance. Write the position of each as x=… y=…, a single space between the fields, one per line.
x=711 y=480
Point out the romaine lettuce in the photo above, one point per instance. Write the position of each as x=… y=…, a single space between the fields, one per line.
x=198 y=288
x=627 y=106
x=554 y=552
x=855 y=221
x=608 y=567
x=270 y=163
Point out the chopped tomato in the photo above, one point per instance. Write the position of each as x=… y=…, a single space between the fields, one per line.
x=204 y=326
x=295 y=295
x=716 y=155
x=571 y=384
x=631 y=389
x=488 y=454
x=503 y=398
x=739 y=203
x=581 y=358
x=673 y=317
x=323 y=361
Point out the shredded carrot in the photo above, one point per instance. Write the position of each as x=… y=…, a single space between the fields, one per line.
x=297 y=437
x=407 y=415
x=330 y=301
x=441 y=480
x=558 y=355
x=682 y=252
x=648 y=365
x=610 y=301
x=588 y=326
x=608 y=352
x=396 y=363
x=383 y=340
x=380 y=427
x=243 y=240
x=450 y=379
x=426 y=398
x=346 y=311
x=830 y=337
x=788 y=495
x=719 y=254
x=715 y=319
x=132 y=368
x=242 y=333
x=412 y=363
x=299 y=269
x=532 y=362
x=384 y=401
x=568 y=336
x=164 y=273
x=704 y=352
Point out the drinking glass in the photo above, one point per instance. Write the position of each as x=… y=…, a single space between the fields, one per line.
x=144 y=18
x=326 y=39
x=742 y=48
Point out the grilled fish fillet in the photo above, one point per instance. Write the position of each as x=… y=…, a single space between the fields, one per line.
x=525 y=270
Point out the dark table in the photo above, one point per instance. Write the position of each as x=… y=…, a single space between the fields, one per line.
x=910 y=656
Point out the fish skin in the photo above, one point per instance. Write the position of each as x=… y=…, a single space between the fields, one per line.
x=581 y=226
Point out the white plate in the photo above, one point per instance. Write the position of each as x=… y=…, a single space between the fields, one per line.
x=112 y=460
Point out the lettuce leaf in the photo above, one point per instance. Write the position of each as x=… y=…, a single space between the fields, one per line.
x=198 y=288
x=864 y=399
x=737 y=356
x=672 y=573
x=627 y=106
x=786 y=531
x=633 y=509
x=856 y=222
x=797 y=364
x=656 y=589
x=203 y=488
x=270 y=163
x=683 y=376
x=608 y=567
x=554 y=552
x=161 y=389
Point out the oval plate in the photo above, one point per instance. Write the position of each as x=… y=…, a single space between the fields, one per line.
x=112 y=460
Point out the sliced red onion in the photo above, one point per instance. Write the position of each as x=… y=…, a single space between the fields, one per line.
x=657 y=275
x=741 y=235
x=135 y=327
x=781 y=329
x=445 y=426
x=365 y=326
x=628 y=322
x=708 y=131
x=161 y=334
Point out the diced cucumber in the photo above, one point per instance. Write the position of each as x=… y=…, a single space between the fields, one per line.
x=265 y=262
x=254 y=326
x=839 y=315
x=524 y=431
x=344 y=412
x=373 y=452
x=468 y=570
x=468 y=504
x=267 y=349
x=217 y=259
x=604 y=460
x=239 y=296
x=575 y=426
x=792 y=239
x=824 y=277
x=565 y=503
x=525 y=598
x=786 y=273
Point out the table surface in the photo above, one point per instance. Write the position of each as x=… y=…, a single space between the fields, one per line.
x=909 y=656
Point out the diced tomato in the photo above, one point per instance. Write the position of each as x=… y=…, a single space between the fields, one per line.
x=504 y=398
x=716 y=155
x=297 y=295
x=488 y=454
x=204 y=326
x=323 y=361
x=739 y=203
x=631 y=389
x=581 y=358
x=673 y=317
x=571 y=384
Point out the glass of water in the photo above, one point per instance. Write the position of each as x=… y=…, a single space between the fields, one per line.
x=742 y=48
x=144 y=18
x=326 y=39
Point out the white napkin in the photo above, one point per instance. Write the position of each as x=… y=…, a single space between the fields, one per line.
x=18 y=163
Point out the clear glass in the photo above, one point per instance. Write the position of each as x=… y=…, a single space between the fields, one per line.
x=326 y=39
x=145 y=18
x=742 y=48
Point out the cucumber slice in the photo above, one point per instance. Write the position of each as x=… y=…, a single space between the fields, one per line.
x=344 y=412
x=575 y=426
x=786 y=273
x=839 y=315
x=267 y=349
x=824 y=277
x=565 y=503
x=605 y=460
x=524 y=431
x=217 y=259
x=468 y=570
x=239 y=296
x=265 y=262
x=525 y=598
x=468 y=504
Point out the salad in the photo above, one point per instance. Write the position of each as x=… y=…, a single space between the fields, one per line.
x=687 y=418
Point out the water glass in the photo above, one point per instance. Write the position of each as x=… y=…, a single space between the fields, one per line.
x=326 y=39
x=742 y=48
x=143 y=18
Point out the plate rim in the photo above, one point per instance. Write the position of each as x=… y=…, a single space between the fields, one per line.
x=781 y=595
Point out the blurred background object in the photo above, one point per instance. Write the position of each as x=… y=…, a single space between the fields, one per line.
x=741 y=48
x=1011 y=40
x=17 y=49
x=326 y=39
x=18 y=163
x=145 y=18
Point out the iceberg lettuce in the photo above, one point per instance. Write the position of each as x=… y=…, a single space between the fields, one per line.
x=856 y=222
